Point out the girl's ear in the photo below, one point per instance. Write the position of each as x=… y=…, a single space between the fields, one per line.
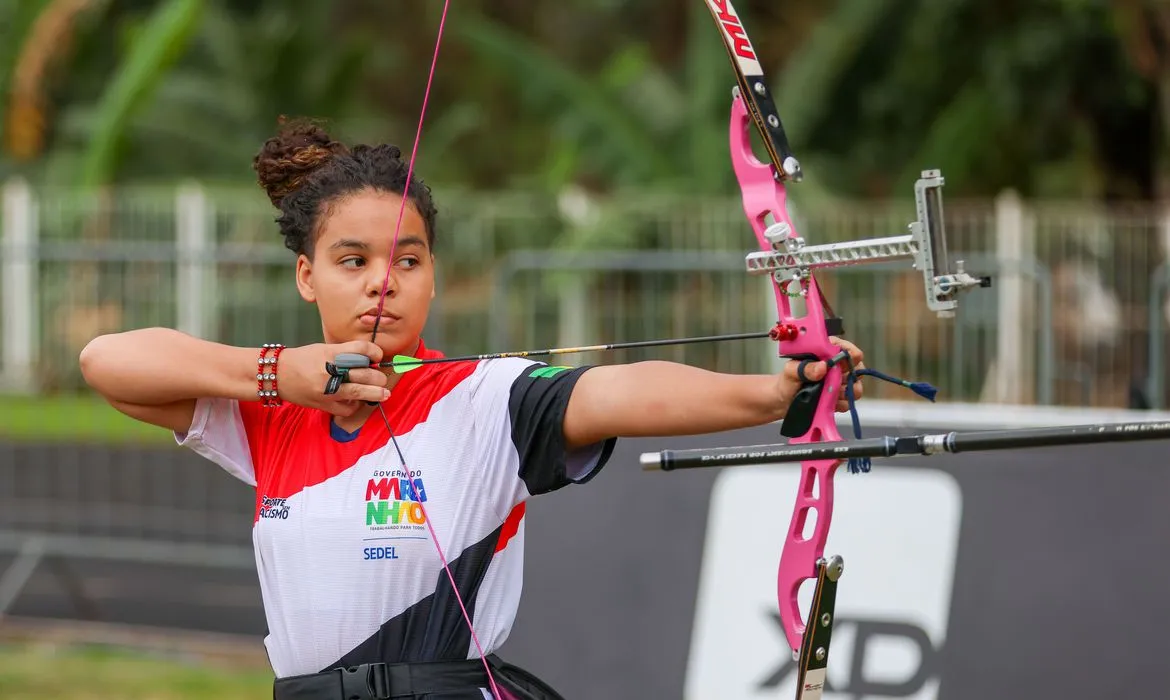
x=304 y=274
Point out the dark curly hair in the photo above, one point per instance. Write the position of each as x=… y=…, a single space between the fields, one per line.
x=304 y=171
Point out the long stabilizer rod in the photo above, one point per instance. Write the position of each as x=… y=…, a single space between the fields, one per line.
x=928 y=444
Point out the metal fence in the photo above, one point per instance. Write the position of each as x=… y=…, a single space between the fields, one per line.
x=1077 y=315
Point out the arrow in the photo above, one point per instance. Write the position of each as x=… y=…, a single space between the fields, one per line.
x=405 y=363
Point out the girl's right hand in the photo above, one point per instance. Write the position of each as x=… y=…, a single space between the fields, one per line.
x=301 y=377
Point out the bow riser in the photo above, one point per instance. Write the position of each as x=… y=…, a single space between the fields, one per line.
x=804 y=333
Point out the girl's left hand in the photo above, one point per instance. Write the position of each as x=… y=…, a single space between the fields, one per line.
x=790 y=382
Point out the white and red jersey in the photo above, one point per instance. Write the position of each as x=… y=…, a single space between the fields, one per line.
x=347 y=568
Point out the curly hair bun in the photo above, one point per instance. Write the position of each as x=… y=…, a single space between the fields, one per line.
x=286 y=159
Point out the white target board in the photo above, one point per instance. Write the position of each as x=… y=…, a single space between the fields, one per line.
x=897 y=530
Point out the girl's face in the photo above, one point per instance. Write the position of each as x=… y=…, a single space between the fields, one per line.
x=350 y=257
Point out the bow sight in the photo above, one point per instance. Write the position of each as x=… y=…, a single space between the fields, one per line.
x=791 y=261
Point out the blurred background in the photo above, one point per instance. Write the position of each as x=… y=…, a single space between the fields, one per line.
x=579 y=154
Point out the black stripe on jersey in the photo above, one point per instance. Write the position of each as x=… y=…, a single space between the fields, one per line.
x=539 y=398
x=432 y=629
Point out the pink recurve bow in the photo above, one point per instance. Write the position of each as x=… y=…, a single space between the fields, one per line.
x=804 y=328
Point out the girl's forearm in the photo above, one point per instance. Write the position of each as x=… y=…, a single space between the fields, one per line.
x=157 y=366
x=658 y=398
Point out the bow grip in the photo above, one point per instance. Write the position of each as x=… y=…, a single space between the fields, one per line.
x=798 y=419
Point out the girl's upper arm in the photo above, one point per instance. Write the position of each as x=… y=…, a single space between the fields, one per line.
x=176 y=417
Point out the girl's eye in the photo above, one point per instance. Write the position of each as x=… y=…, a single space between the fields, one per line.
x=352 y=262
x=409 y=262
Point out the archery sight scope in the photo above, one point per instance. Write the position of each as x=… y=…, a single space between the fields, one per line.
x=925 y=245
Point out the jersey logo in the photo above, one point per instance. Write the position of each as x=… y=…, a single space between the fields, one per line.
x=273 y=508
x=393 y=500
x=547 y=372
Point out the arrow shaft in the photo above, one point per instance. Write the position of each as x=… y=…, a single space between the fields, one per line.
x=588 y=348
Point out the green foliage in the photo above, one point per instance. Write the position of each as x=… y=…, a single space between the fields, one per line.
x=626 y=94
x=16 y=20
x=998 y=95
x=591 y=124
x=157 y=43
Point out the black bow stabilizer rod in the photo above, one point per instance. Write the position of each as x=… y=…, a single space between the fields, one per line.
x=929 y=444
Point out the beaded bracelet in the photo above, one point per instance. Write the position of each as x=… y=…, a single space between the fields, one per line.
x=266 y=372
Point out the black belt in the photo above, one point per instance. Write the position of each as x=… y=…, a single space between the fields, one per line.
x=380 y=681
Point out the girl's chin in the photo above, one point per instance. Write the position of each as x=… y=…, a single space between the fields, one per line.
x=392 y=336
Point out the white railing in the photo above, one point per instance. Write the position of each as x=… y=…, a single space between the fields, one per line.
x=1070 y=318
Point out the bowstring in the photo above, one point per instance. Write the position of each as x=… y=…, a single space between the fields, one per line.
x=374 y=335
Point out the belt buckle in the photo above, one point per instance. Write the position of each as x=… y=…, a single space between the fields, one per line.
x=367 y=681
x=380 y=681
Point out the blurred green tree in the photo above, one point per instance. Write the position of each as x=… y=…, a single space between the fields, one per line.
x=1054 y=97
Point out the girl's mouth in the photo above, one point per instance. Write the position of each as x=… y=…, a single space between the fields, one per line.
x=370 y=317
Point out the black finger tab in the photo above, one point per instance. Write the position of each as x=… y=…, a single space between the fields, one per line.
x=337 y=377
x=351 y=360
x=339 y=369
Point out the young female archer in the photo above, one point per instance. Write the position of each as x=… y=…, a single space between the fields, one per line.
x=389 y=517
